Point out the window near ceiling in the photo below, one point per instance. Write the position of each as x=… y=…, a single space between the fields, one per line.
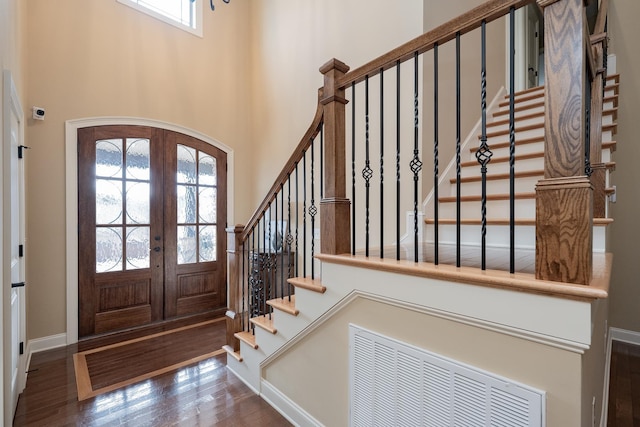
x=184 y=14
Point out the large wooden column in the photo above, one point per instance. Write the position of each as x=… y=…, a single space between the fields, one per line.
x=335 y=224
x=564 y=198
x=234 y=291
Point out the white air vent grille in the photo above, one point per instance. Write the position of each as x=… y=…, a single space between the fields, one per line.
x=395 y=384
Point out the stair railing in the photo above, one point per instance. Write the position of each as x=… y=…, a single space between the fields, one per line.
x=278 y=241
x=564 y=198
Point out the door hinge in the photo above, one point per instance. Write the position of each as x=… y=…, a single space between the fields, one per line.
x=21 y=350
x=21 y=148
x=18 y=285
x=20 y=251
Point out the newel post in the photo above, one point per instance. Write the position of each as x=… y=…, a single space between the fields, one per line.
x=564 y=198
x=234 y=294
x=335 y=224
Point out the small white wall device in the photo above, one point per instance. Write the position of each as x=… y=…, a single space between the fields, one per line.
x=38 y=113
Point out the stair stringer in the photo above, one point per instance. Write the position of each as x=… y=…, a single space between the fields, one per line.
x=538 y=319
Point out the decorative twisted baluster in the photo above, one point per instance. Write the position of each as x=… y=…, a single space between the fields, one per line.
x=435 y=154
x=483 y=155
x=397 y=160
x=415 y=164
x=313 y=210
x=367 y=173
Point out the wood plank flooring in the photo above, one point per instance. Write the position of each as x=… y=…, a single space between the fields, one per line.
x=203 y=394
x=624 y=385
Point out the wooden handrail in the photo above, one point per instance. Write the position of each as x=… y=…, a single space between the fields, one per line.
x=464 y=23
x=288 y=168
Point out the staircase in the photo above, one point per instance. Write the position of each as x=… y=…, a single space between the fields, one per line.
x=542 y=327
x=529 y=169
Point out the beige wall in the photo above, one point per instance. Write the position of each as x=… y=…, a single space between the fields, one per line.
x=625 y=231
x=291 y=40
x=436 y=13
x=102 y=58
x=314 y=372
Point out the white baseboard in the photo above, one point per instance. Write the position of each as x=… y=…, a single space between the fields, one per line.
x=286 y=407
x=42 y=344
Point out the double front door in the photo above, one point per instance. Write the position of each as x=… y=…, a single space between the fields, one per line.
x=151 y=215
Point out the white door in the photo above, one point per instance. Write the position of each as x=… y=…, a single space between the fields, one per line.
x=13 y=235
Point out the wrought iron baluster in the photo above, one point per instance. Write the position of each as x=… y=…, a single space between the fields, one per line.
x=587 y=139
x=415 y=164
x=381 y=162
x=268 y=288
x=297 y=264
x=253 y=277
x=289 y=236
x=512 y=141
x=436 y=202
x=312 y=209
x=304 y=214
x=353 y=168
x=367 y=173
x=321 y=162
x=398 y=160
x=458 y=154
x=483 y=155
x=280 y=237
x=243 y=284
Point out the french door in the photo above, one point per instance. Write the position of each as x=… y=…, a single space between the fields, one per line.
x=151 y=215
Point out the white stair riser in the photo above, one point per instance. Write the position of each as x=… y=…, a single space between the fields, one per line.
x=534 y=147
x=519 y=113
x=520 y=102
x=499 y=235
x=519 y=124
x=525 y=209
x=503 y=167
x=267 y=341
x=533 y=133
x=249 y=368
x=500 y=186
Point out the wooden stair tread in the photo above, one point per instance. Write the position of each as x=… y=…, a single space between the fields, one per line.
x=265 y=322
x=519 y=108
x=490 y=197
x=533 y=126
x=519 y=141
x=527 y=97
x=523 y=117
x=613 y=78
x=247 y=337
x=499 y=176
x=286 y=304
x=526 y=91
x=235 y=354
x=611 y=145
x=504 y=221
x=504 y=159
x=307 y=283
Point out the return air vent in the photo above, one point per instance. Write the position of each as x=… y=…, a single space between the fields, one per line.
x=395 y=384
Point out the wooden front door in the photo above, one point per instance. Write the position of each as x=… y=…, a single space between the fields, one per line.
x=151 y=215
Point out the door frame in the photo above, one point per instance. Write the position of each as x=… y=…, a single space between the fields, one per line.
x=11 y=107
x=71 y=186
x=521 y=47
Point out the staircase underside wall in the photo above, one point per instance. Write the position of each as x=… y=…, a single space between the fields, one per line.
x=314 y=374
x=311 y=372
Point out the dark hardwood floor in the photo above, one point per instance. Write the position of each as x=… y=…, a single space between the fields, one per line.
x=624 y=385
x=207 y=394
x=203 y=394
